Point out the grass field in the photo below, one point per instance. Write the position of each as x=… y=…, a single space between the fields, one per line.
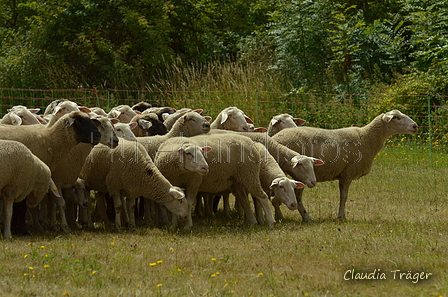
x=397 y=220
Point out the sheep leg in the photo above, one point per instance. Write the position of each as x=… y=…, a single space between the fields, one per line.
x=60 y=203
x=131 y=212
x=102 y=209
x=35 y=211
x=264 y=201
x=305 y=217
x=278 y=213
x=118 y=205
x=199 y=207
x=243 y=201
x=258 y=211
x=7 y=203
x=343 y=191
x=226 y=205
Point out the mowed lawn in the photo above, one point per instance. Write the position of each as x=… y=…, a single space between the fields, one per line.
x=396 y=235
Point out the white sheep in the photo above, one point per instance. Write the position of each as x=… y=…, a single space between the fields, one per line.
x=283 y=121
x=347 y=152
x=232 y=118
x=123 y=113
x=170 y=118
x=128 y=171
x=274 y=183
x=124 y=130
x=179 y=161
x=233 y=161
x=21 y=115
x=188 y=125
x=98 y=111
x=22 y=175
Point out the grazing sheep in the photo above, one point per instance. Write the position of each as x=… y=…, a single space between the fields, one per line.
x=77 y=201
x=123 y=113
x=182 y=163
x=233 y=160
x=124 y=130
x=347 y=152
x=282 y=121
x=188 y=125
x=128 y=171
x=23 y=175
x=148 y=125
x=21 y=115
x=232 y=118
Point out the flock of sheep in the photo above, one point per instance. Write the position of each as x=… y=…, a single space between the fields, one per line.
x=175 y=163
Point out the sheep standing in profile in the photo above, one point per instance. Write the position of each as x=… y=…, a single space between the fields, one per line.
x=22 y=175
x=347 y=152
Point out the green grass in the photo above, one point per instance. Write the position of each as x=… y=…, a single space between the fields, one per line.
x=397 y=220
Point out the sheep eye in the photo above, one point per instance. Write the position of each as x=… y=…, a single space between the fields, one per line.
x=397 y=117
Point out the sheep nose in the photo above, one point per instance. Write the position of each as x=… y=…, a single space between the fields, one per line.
x=245 y=129
x=293 y=206
x=312 y=184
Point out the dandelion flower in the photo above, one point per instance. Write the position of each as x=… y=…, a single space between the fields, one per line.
x=25 y=274
x=159 y=285
x=159 y=262
x=213 y=259
x=65 y=293
x=25 y=256
x=46 y=266
x=30 y=268
x=42 y=246
x=260 y=273
x=153 y=264
x=112 y=243
x=93 y=272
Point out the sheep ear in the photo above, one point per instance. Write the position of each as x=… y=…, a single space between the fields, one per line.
x=295 y=161
x=299 y=121
x=248 y=120
x=115 y=121
x=132 y=125
x=224 y=117
x=318 y=162
x=114 y=114
x=70 y=121
x=34 y=110
x=145 y=124
x=274 y=183
x=181 y=150
x=15 y=119
x=208 y=118
x=165 y=115
x=84 y=109
x=54 y=188
x=137 y=112
x=206 y=149
x=297 y=184
x=273 y=122
x=260 y=130
x=96 y=122
x=176 y=193
x=198 y=110
x=387 y=117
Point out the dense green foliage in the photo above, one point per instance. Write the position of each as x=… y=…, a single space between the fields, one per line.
x=332 y=46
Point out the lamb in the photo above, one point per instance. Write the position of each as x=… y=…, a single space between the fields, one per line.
x=188 y=125
x=123 y=113
x=182 y=163
x=128 y=171
x=21 y=115
x=233 y=161
x=232 y=118
x=348 y=152
x=282 y=121
x=148 y=125
x=23 y=175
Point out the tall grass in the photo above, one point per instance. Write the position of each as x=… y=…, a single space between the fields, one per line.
x=396 y=221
